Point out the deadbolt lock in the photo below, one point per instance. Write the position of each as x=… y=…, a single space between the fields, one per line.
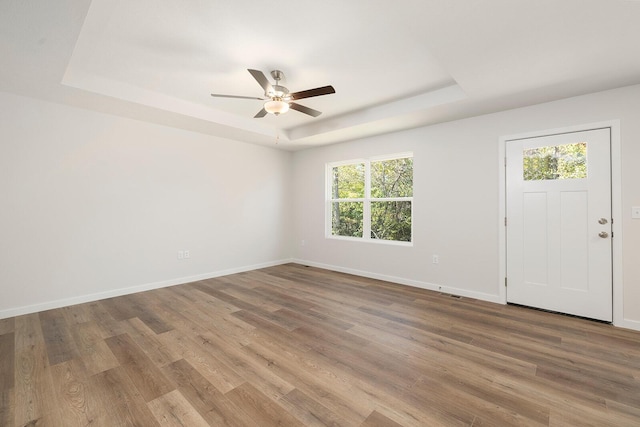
x=602 y=221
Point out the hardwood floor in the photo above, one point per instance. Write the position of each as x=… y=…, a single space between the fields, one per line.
x=293 y=345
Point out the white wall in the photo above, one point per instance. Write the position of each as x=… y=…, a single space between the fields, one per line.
x=94 y=205
x=456 y=198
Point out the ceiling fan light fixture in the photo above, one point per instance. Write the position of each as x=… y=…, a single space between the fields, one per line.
x=276 y=106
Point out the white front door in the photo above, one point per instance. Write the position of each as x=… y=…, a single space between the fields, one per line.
x=559 y=223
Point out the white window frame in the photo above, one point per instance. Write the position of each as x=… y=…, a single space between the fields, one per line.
x=366 y=200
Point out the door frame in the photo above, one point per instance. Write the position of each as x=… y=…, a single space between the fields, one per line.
x=616 y=208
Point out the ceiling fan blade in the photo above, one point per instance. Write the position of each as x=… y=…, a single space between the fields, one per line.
x=260 y=114
x=217 y=95
x=324 y=90
x=305 y=110
x=261 y=79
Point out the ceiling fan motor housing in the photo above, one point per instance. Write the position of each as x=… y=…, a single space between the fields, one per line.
x=279 y=92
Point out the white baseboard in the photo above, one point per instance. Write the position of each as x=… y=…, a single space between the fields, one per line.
x=628 y=324
x=27 y=309
x=408 y=282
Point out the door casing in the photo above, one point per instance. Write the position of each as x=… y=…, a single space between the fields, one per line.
x=616 y=210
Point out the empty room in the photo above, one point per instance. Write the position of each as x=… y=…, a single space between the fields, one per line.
x=296 y=213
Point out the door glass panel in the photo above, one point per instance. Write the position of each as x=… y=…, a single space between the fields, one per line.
x=568 y=161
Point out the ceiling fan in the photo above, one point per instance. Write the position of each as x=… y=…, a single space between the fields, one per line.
x=279 y=99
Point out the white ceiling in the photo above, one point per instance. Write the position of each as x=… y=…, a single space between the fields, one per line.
x=394 y=65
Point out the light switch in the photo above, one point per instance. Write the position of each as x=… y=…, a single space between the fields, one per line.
x=635 y=212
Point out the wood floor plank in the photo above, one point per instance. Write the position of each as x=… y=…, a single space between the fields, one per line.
x=612 y=354
x=211 y=404
x=613 y=388
x=7 y=407
x=212 y=304
x=7 y=378
x=433 y=348
x=7 y=325
x=75 y=314
x=486 y=401
x=309 y=410
x=250 y=369
x=297 y=345
x=147 y=378
x=226 y=327
x=136 y=305
x=376 y=419
x=552 y=394
x=282 y=299
x=173 y=409
x=74 y=397
x=7 y=356
x=206 y=347
x=554 y=358
x=308 y=372
x=249 y=296
x=119 y=308
x=59 y=343
x=94 y=352
x=328 y=385
x=265 y=320
x=102 y=317
x=198 y=352
x=122 y=403
x=34 y=390
x=272 y=317
x=150 y=343
x=229 y=299
x=263 y=411
x=315 y=318
x=142 y=305
x=377 y=363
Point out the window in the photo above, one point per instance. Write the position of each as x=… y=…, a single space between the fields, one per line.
x=568 y=161
x=371 y=199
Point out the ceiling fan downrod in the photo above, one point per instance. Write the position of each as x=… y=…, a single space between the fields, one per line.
x=279 y=92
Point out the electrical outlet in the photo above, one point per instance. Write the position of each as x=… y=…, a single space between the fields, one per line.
x=435 y=259
x=635 y=212
x=187 y=254
x=180 y=254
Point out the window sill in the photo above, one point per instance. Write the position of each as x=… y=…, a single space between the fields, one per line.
x=373 y=241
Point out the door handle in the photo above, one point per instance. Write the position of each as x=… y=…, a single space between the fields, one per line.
x=603 y=234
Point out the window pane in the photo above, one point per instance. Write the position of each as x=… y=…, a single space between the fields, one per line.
x=567 y=161
x=391 y=221
x=348 y=181
x=392 y=178
x=346 y=219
